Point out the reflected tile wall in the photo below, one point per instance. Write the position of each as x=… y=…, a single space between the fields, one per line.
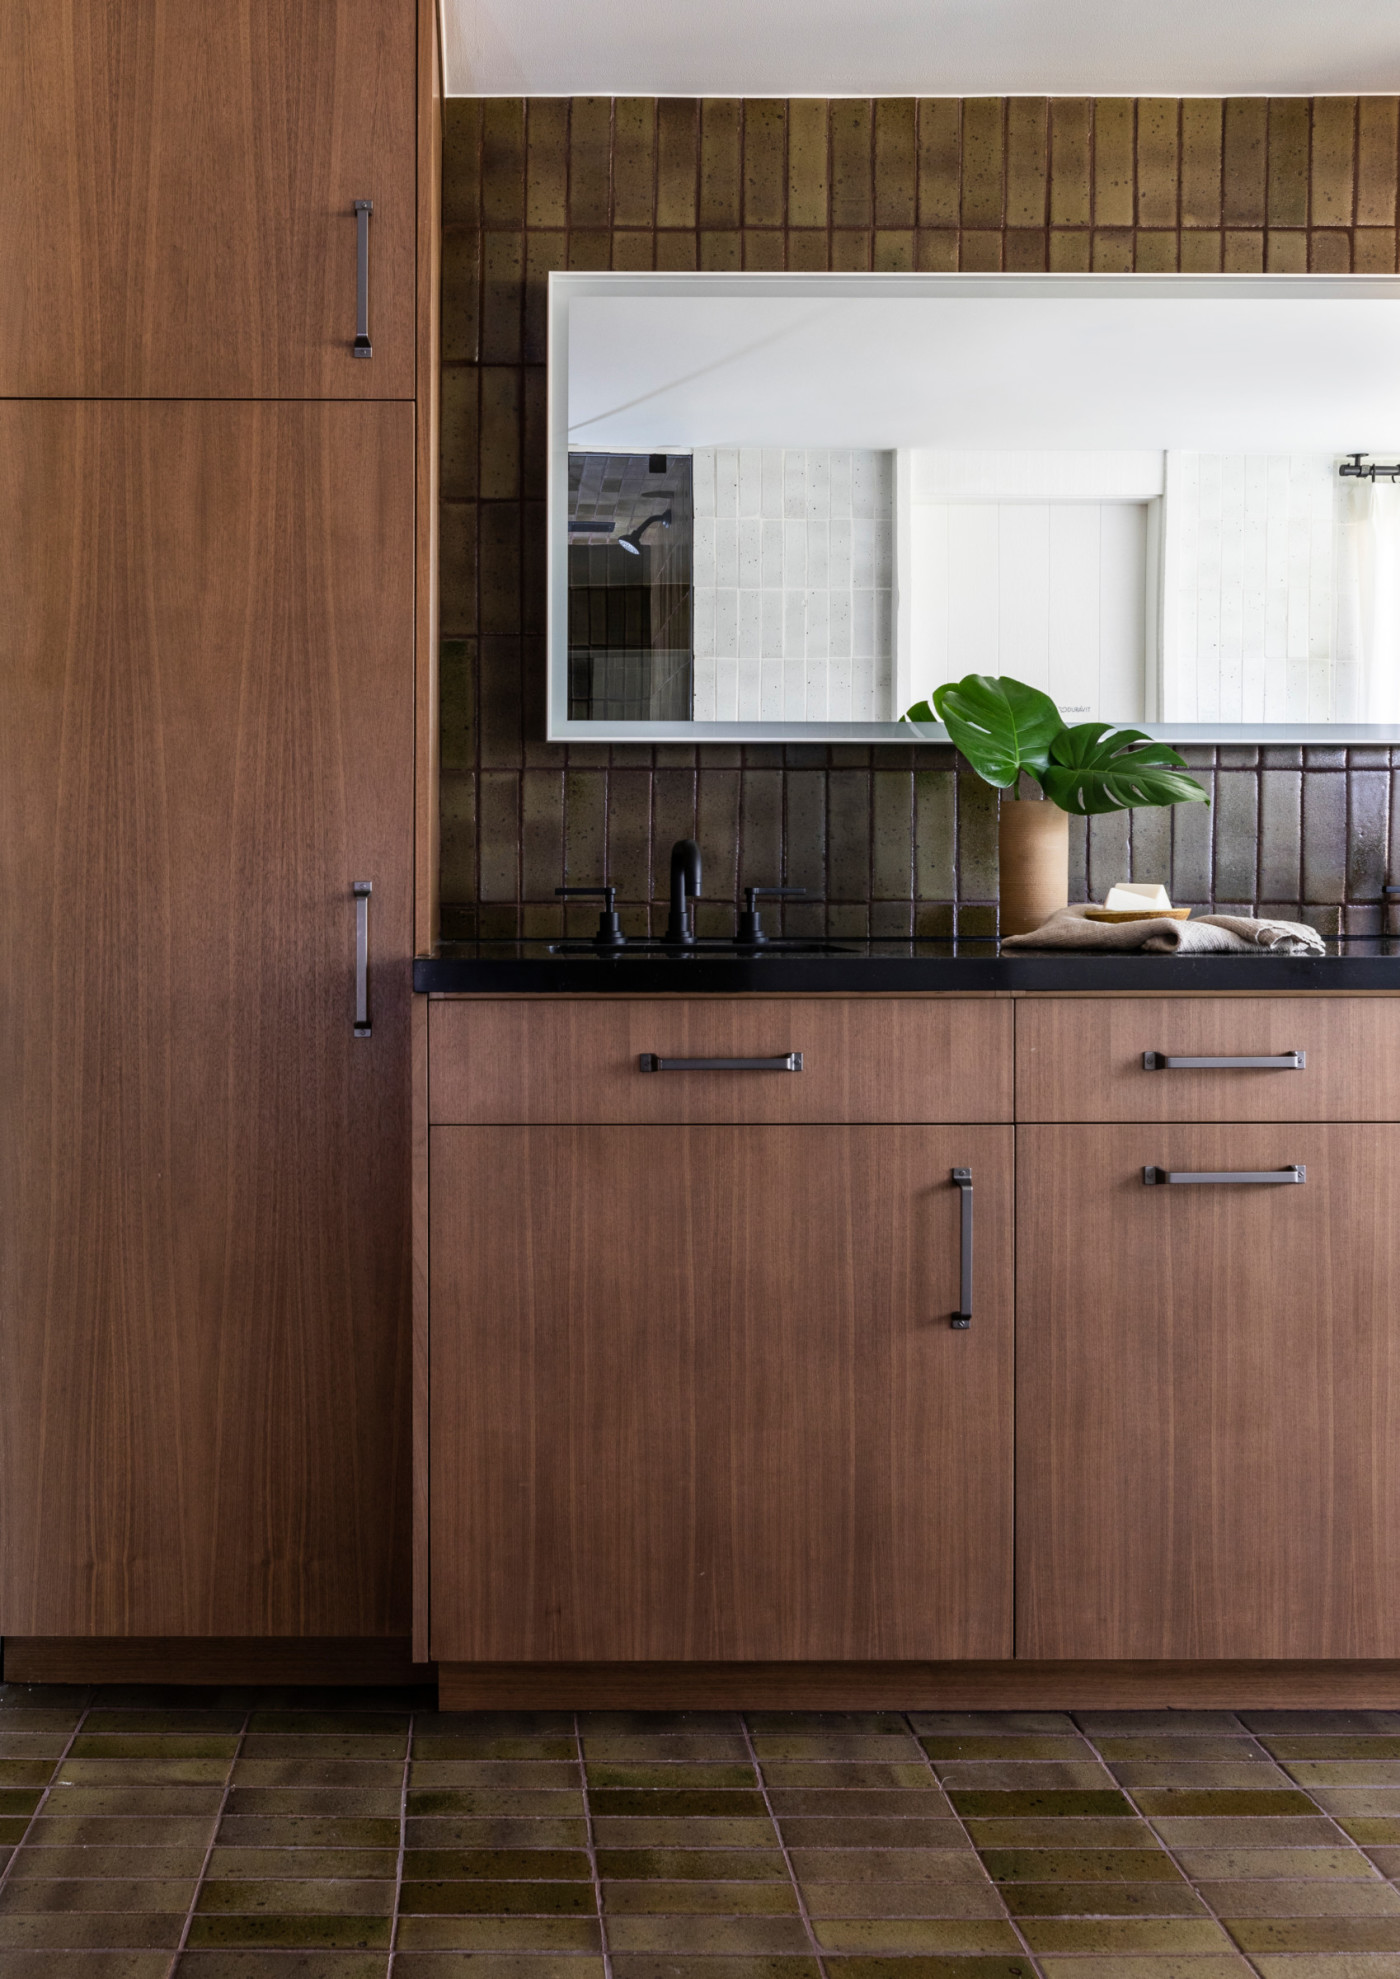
x=887 y=841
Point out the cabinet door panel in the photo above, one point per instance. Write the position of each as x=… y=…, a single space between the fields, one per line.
x=1208 y=1394
x=695 y=1394
x=206 y=725
x=180 y=185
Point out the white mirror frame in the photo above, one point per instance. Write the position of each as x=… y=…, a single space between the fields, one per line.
x=565 y=287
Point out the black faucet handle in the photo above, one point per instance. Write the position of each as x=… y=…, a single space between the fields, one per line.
x=750 y=929
x=609 y=933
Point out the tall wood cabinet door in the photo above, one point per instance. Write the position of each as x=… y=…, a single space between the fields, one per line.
x=696 y=1394
x=206 y=727
x=180 y=185
x=1208 y=1393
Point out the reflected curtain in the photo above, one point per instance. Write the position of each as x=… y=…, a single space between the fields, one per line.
x=1366 y=679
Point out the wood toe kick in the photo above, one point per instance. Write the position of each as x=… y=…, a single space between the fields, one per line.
x=918 y=1686
x=139 y=1659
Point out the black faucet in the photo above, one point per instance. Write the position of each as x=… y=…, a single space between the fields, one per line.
x=685 y=887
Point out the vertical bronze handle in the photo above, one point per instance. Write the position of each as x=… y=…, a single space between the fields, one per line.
x=362 y=890
x=362 y=346
x=962 y=1318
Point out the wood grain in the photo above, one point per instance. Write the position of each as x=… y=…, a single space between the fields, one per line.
x=207 y=723
x=1077 y=1060
x=1208 y=1395
x=422 y=1548
x=960 y=1686
x=575 y=1058
x=330 y=1660
x=695 y=1394
x=426 y=862
x=179 y=184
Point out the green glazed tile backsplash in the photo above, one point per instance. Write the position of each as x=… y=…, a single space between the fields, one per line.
x=886 y=841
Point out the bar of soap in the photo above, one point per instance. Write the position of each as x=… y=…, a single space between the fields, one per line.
x=1135 y=898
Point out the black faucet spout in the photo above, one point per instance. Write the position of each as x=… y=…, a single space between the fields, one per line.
x=685 y=888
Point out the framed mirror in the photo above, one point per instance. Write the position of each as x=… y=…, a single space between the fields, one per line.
x=789 y=506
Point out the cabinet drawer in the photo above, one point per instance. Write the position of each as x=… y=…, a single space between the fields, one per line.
x=1083 y=1059
x=564 y=1059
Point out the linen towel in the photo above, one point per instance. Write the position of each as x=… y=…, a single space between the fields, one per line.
x=1212 y=934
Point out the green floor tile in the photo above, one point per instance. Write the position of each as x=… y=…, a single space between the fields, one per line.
x=630 y=1865
x=497 y=1934
x=1087 y=1865
x=292 y=1933
x=531 y=1865
x=1102 y=1900
x=486 y=1899
x=962 y=1935
x=1315 y=1934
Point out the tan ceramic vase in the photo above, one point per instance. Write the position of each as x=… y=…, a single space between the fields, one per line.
x=1033 y=847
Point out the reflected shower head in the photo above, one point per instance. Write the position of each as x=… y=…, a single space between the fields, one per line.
x=632 y=541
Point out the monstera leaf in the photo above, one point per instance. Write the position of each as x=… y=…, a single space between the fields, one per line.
x=1095 y=767
x=1000 y=725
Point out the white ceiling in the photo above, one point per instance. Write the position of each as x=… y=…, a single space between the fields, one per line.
x=921 y=47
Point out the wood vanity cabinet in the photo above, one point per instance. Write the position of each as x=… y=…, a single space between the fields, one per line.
x=1208 y=1372
x=180 y=180
x=695 y=1390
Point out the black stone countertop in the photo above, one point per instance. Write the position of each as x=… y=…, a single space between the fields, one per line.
x=717 y=969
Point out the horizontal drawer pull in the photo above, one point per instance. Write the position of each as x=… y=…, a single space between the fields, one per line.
x=790 y=1061
x=1297 y=1173
x=1284 y=1061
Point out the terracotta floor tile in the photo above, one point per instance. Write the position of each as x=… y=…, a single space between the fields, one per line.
x=871 y=1831
x=1247 y=1831
x=141 y=1864
x=496 y=1965
x=887 y=1865
x=722 y=1898
x=51 y=1964
x=991 y=1724
x=478 y=1934
x=965 y=1899
x=1334 y=1898
x=292 y=1932
x=915 y=1934
x=52 y=1893
x=651 y=1965
x=1088 y=1865
x=1145 y=1936
x=495 y=1831
x=678 y=1831
x=1315 y=1934
x=102 y=1930
x=1064 y=1831
x=1160 y=1899
x=1023 y=1749
x=652 y=1933
x=1292 y=1864
x=1181 y=1965
x=958 y=1775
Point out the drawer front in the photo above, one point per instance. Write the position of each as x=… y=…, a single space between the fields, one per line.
x=1083 y=1059
x=562 y=1059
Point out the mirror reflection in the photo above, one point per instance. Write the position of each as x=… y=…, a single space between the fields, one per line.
x=797 y=505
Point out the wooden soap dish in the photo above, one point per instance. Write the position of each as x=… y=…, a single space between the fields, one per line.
x=1134 y=914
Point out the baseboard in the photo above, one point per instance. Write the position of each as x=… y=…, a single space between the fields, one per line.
x=917 y=1686
x=137 y=1659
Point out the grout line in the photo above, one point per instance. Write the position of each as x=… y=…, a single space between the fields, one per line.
x=802 y=1909
x=1190 y=1881
x=403 y=1844
x=179 y=1950
x=591 y=1849
x=42 y=1801
x=1007 y=1918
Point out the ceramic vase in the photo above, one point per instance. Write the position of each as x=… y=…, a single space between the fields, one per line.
x=1033 y=851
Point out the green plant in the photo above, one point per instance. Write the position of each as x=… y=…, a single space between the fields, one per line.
x=1004 y=728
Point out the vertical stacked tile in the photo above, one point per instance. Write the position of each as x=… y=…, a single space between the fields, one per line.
x=1066 y=183
x=497 y=1858
x=881 y=1862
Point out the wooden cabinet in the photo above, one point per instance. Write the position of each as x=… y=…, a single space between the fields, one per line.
x=180 y=181
x=1208 y=1393
x=525 y=1061
x=695 y=1390
x=206 y=718
x=1325 y=1058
